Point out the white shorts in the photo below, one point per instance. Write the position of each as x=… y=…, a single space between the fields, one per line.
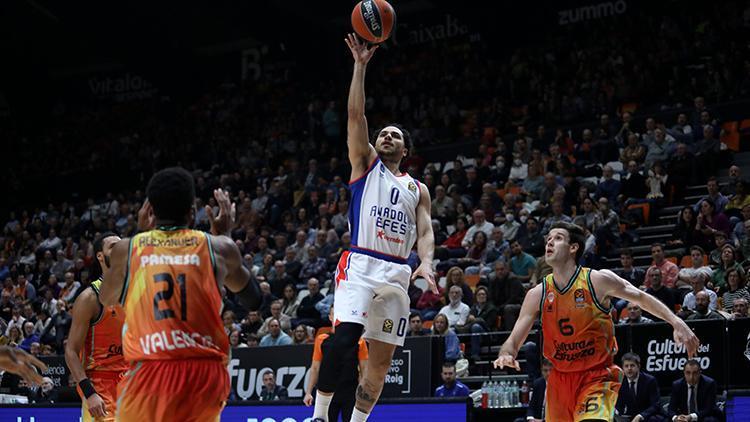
x=373 y=292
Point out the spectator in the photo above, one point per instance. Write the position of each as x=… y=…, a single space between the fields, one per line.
x=667 y=269
x=510 y=226
x=251 y=324
x=230 y=321
x=443 y=207
x=476 y=256
x=306 y=312
x=659 y=149
x=25 y=290
x=42 y=324
x=728 y=262
x=235 y=340
x=452 y=248
x=13 y=336
x=480 y=224
x=301 y=335
x=634 y=315
x=415 y=326
x=608 y=227
x=557 y=216
x=62 y=265
x=270 y=390
x=633 y=184
x=292 y=267
x=70 y=289
x=697 y=261
x=694 y=396
x=639 y=393
x=736 y=289
x=531 y=239
x=46 y=393
x=451 y=387
x=521 y=264
x=429 y=303
x=698 y=283
x=537 y=402
x=633 y=151
x=275 y=336
x=289 y=301
x=740 y=308
x=685 y=233
x=456 y=311
x=666 y=295
x=315 y=265
x=276 y=314
x=482 y=319
x=702 y=308
x=714 y=258
x=441 y=328
x=455 y=277
x=656 y=182
x=29 y=336
x=739 y=200
x=633 y=274
x=709 y=222
x=506 y=294
x=609 y=187
x=278 y=279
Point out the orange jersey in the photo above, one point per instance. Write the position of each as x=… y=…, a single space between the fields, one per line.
x=578 y=330
x=102 y=350
x=171 y=299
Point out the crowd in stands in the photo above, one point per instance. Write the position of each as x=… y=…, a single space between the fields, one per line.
x=491 y=208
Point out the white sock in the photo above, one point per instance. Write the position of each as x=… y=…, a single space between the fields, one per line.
x=321 y=405
x=358 y=416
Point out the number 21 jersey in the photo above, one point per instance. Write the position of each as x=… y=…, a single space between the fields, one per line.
x=171 y=300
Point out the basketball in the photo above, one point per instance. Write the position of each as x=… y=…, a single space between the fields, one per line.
x=373 y=20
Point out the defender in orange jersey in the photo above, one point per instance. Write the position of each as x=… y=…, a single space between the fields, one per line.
x=168 y=281
x=579 y=337
x=94 y=349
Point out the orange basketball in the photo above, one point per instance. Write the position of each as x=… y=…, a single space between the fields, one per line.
x=373 y=20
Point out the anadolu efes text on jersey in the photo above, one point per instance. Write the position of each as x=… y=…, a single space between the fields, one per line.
x=383 y=211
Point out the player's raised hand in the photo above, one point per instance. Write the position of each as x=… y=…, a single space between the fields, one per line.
x=222 y=223
x=360 y=52
x=685 y=336
x=22 y=364
x=504 y=360
x=425 y=271
x=146 y=217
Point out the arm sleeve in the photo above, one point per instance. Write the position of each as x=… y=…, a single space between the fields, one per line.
x=317 y=350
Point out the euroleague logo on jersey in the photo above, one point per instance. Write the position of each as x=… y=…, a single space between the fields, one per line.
x=580 y=298
x=550 y=299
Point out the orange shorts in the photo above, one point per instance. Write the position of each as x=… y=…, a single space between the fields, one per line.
x=173 y=390
x=585 y=395
x=105 y=384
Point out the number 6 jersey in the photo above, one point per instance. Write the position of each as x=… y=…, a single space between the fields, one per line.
x=578 y=330
x=171 y=299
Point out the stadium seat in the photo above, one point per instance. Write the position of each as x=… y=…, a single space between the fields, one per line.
x=472 y=280
x=730 y=136
x=323 y=330
x=427 y=324
x=645 y=208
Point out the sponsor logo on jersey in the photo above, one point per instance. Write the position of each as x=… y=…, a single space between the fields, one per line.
x=388 y=326
x=572 y=351
x=580 y=298
x=381 y=235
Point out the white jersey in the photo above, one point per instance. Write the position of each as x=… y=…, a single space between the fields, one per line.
x=383 y=213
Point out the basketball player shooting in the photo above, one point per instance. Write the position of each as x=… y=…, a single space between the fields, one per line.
x=578 y=332
x=389 y=211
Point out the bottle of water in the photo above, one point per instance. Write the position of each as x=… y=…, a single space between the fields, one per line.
x=515 y=401
x=503 y=394
x=525 y=393
x=509 y=394
x=490 y=395
x=483 y=400
x=494 y=395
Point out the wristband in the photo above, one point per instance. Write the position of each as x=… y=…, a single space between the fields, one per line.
x=87 y=387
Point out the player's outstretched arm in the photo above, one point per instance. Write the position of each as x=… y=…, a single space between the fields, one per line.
x=608 y=284
x=425 y=239
x=85 y=310
x=361 y=153
x=113 y=280
x=529 y=314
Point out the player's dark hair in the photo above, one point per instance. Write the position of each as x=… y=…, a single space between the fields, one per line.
x=99 y=241
x=631 y=357
x=576 y=235
x=171 y=193
x=407 y=135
